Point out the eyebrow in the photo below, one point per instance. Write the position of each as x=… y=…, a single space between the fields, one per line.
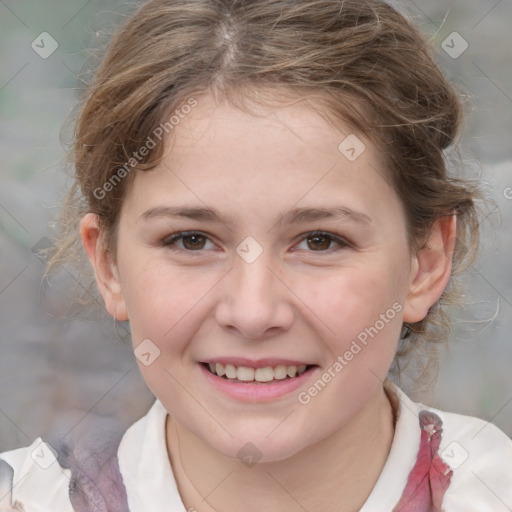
x=294 y=216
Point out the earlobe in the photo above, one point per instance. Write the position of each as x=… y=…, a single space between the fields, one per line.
x=105 y=270
x=431 y=269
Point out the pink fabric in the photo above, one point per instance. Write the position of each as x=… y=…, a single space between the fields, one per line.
x=97 y=484
x=430 y=476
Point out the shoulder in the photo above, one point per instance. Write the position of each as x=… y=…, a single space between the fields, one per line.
x=31 y=478
x=64 y=475
x=480 y=455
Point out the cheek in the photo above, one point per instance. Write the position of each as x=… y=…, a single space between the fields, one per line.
x=160 y=297
x=349 y=301
x=363 y=308
x=165 y=309
x=169 y=306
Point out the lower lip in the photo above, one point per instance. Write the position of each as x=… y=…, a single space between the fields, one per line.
x=256 y=392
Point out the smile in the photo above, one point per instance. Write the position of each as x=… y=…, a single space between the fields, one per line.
x=256 y=381
x=263 y=375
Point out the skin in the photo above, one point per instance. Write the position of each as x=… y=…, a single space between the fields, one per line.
x=295 y=300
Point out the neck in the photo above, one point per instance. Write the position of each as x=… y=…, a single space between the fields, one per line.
x=355 y=454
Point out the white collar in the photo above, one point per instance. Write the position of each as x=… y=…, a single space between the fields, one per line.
x=402 y=455
x=145 y=465
x=481 y=455
x=150 y=482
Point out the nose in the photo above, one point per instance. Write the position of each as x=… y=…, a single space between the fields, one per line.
x=255 y=301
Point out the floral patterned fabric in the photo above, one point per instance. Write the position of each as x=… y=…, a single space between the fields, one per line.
x=97 y=484
x=107 y=468
x=431 y=476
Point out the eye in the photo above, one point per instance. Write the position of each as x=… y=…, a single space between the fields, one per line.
x=319 y=241
x=191 y=241
x=195 y=241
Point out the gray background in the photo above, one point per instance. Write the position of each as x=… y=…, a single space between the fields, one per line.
x=58 y=372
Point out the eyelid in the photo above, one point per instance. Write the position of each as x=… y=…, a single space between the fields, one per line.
x=169 y=240
x=340 y=240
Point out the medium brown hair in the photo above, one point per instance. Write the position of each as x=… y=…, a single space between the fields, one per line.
x=362 y=60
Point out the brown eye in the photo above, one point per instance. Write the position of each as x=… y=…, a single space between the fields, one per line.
x=319 y=242
x=323 y=243
x=186 y=242
x=192 y=242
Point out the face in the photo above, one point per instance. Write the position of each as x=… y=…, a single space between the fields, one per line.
x=259 y=247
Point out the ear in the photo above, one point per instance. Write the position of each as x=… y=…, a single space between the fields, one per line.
x=431 y=269
x=105 y=269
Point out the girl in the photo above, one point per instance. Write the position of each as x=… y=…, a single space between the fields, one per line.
x=261 y=190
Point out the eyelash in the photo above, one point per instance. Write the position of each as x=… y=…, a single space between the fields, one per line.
x=170 y=240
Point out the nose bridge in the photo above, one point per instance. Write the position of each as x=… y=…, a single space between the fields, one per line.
x=253 y=281
x=252 y=300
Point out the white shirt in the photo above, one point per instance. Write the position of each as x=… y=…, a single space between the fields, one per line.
x=479 y=454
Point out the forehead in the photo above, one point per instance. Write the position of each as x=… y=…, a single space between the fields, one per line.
x=220 y=155
x=299 y=122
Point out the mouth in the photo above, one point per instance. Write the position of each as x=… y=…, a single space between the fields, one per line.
x=261 y=375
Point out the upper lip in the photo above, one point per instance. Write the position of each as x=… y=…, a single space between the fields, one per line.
x=259 y=363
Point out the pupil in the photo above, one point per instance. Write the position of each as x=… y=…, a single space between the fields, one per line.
x=194 y=239
x=317 y=238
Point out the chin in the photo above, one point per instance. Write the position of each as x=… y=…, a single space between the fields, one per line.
x=258 y=447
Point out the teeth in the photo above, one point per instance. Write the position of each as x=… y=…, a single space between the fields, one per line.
x=230 y=371
x=244 y=373
x=292 y=371
x=280 y=372
x=219 y=369
x=266 y=374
